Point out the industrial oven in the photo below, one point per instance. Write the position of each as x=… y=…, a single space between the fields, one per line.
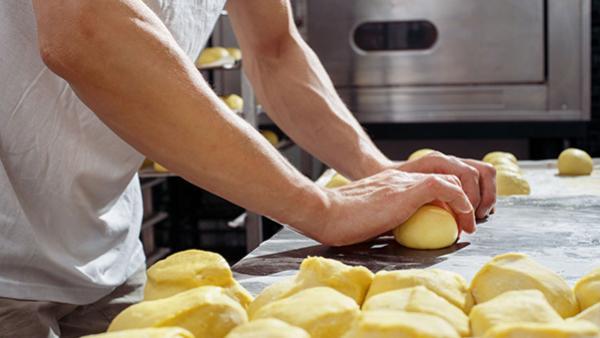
x=455 y=60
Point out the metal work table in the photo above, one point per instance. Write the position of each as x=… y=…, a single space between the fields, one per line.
x=558 y=225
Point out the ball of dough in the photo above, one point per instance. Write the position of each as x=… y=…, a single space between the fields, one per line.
x=575 y=162
x=568 y=329
x=234 y=53
x=161 y=169
x=271 y=136
x=271 y=293
x=587 y=289
x=163 y=332
x=352 y=281
x=234 y=102
x=420 y=153
x=190 y=269
x=515 y=271
x=512 y=307
x=267 y=328
x=323 y=312
x=337 y=181
x=490 y=157
x=508 y=183
x=591 y=314
x=207 y=312
x=431 y=227
x=446 y=284
x=511 y=168
x=212 y=55
x=394 y=324
x=421 y=300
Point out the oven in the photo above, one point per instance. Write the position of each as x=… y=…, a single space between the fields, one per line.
x=455 y=60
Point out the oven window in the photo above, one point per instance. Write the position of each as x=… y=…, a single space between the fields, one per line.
x=395 y=36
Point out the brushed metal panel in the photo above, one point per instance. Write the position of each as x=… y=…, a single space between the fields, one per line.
x=479 y=42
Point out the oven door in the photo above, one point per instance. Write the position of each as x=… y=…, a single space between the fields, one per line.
x=429 y=42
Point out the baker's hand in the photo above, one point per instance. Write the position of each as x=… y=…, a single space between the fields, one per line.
x=377 y=204
x=478 y=178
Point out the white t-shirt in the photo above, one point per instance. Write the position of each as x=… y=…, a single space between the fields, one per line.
x=70 y=202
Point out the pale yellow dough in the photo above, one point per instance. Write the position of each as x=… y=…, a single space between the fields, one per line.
x=323 y=312
x=267 y=328
x=352 y=281
x=212 y=55
x=515 y=271
x=587 y=289
x=399 y=324
x=234 y=102
x=512 y=168
x=575 y=162
x=207 y=312
x=337 y=181
x=163 y=332
x=430 y=227
x=190 y=269
x=446 y=284
x=567 y=329
x=419 y=299
x=490 y=157
x=512 y=307
x=420 y=153
x=510 y=183
x=271 y=136
x=591 y=314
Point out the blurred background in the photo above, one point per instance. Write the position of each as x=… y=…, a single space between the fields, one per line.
x=460 y=76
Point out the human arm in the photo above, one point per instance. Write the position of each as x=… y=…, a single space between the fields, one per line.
x=299 y=96
x=125 y=65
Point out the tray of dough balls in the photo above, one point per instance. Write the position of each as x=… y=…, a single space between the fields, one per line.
x=194 y=294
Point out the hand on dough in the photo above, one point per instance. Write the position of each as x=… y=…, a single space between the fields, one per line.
x=366 y=208
x=478 y=179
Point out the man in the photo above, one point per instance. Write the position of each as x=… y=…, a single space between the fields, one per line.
x=89 y=86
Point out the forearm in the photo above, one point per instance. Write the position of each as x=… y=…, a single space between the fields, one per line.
x=298 y=95
x=126 y=67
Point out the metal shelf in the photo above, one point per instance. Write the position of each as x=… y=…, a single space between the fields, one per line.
x=227 y=66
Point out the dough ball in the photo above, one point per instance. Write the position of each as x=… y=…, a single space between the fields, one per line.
x=190 y=269
x=234 y=102
x=431 y=227
x=234 y=53
x=271 y=293
x=446 y=284
x=395 y=324
x=508 y=167
x=419 y=299
x=512 y=307
x=587 y=289
x=157 y=167
x=352 y=281
x=575 y=162
x=323 y=312
x=591 y=314
x=267 y=328
x=337 y=181
x=420 y=153
x=508 y=183
x=212 y=55
x=490 y=157
x=164 y=332
x=271 y=136
x=207 y=312
x=515 y=271
x=566 y=329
